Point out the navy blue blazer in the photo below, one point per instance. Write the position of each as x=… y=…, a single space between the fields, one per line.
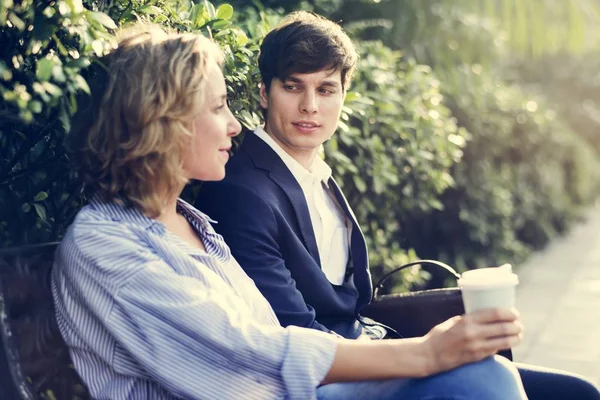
x=262 y=213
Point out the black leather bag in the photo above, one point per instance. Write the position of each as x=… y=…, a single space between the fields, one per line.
x=413 y=314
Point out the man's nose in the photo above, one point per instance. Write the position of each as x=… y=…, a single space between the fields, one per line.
x=309 y=103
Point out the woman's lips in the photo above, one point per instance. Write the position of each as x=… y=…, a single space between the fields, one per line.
x=225 y=153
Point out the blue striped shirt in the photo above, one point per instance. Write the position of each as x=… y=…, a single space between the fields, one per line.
x=147 y=316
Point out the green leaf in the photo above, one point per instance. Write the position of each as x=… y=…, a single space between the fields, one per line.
x=98 y=47
x=52 y=89
x=73 y=103
x=50 y=395
x=4 y=5
x=196 y=16
x=225 y=11
x=8 y=3
x=16 y=21
x=35 y=106
x=240 y=37
x=41 y=196
x=83 y=85
x=40 y=210
x=64 y=117
x=150 y=10
x=79 y=63
x=61 y=48
x=26 y=115
x=360 y=183
x=102 y=19
x=26 y=207
x=76 y=6
x=58 y=73
x=5 y=72
x=219 y=24
x=210 y=9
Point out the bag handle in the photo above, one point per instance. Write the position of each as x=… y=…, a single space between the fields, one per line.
x=410 y=264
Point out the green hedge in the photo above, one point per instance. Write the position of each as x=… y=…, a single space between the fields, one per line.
x=44 y=48
x=467 y=172
x=525 y=177
x=526 y=174
x=394 y=150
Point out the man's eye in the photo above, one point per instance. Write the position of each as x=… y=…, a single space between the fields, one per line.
x=290 y=87
x=325 y=91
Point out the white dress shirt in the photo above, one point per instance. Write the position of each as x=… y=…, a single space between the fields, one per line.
x=330 y=225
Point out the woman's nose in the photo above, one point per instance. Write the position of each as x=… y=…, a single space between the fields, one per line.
x=234 y=127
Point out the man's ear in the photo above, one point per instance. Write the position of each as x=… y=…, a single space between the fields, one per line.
x=264 y=96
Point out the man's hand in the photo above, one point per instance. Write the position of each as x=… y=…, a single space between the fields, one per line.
x=471 y=337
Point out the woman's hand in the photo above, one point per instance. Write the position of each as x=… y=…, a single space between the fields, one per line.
x=471 y=337
x=457 y=341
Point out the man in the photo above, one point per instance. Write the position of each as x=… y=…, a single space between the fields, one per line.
x=283 y=216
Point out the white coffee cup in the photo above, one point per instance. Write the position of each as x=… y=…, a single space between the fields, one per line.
x=488 y=288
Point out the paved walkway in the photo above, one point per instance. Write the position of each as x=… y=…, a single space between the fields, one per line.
x=559 y=300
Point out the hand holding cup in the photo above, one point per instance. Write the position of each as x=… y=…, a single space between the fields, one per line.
x=491 y=322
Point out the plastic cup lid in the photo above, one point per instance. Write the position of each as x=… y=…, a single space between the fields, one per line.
x=485 y=278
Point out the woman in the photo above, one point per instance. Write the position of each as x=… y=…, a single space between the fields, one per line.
x=149 y=299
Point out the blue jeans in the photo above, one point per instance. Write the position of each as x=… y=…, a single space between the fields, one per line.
x=549 y=384
x=494 y=378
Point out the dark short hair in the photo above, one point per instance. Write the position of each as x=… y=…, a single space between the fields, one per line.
x=304 y=43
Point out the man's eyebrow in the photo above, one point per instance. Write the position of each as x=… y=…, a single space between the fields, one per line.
x=326 y=82
x=292 y=79
x=330 y=83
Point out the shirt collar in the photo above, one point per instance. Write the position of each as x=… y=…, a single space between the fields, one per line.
x=119 y=211
x=319 y=169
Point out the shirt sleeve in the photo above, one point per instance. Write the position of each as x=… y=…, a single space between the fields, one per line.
x=199 y=342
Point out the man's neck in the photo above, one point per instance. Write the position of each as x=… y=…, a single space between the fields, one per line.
x=304 y=157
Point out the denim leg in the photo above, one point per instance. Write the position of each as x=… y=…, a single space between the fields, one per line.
x=550 y=384
x=494 y=378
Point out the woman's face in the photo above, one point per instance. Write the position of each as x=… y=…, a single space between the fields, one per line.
x=213 y=127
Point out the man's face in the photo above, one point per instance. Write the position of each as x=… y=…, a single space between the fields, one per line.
x=303 y=111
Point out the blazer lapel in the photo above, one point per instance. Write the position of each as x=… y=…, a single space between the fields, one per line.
x=265 y=158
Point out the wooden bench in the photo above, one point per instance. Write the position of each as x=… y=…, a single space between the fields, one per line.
x=34 y=359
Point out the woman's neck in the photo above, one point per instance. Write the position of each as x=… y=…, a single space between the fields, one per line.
x=169 y=212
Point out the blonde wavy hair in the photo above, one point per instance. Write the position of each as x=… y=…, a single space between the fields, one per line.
x=132 y=149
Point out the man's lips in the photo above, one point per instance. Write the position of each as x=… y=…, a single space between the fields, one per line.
x=306 y=126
